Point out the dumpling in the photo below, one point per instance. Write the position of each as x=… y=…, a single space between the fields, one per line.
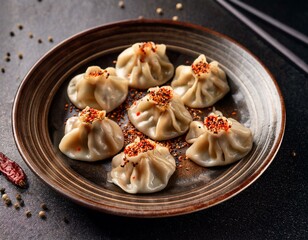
x=160 y=114
x=145 y=65
x=98 y=88
x=91 y=136
x=143 y=167
x=220 y=141
x=200 y=85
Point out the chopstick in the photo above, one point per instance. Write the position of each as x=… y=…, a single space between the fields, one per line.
x=263 y=34
x=294 y=33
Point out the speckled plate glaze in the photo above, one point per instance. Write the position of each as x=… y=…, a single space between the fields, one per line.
x=39 y=115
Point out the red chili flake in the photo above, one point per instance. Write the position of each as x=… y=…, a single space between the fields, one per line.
x=89 y=115
x=78 y=149
x=200 y=67
x=162 y=96
x=145 y=48
x=139 y=147
x=12 y=171
x=216 y=123
x=137 y=113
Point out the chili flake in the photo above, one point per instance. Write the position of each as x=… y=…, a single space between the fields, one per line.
x=161 y=96
x=142 y=146
x=200 y=67
x=145 y=49
x=89 y=115
x=216 y=123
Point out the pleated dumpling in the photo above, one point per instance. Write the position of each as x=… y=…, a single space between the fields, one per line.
x=161 y=115
x=200 y=85
x=91 y=136
x=98 y=88
x=218 y=141
x=143 y=167
x=145 y=65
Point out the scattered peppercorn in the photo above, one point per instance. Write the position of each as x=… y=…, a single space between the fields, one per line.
x=39 y=40
x=5 y=196
x=50 y=39
x=8 y=54
x=20 y=27
x=21 y=203
x=18 y=197
x=7 y=59
x=28 y=213
x=44 y=206
x=3 y=70
x=17 y=206
x=2 y=190
x=42 y=214
x=66 y=220
x=12 y=34
x=20 y=56
x=8 y=202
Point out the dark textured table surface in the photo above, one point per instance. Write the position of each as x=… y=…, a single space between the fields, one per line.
x=274 y=207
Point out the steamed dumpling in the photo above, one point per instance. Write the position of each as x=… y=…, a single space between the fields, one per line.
x=218 y=141
x=98 y=88
x=91 y=136
x=145 y=65
x=143 y=167
x=160 y=114
x=200 y=85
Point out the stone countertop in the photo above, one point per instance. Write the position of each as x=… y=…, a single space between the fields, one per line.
x=274 y=207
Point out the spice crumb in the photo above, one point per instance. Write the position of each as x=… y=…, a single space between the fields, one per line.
x=8 y=54
x=20 y=56
x=28 y=214
x=39 y=40
x=12 y=34
x=121 y=4
x=2 y=70
x=42 y=214
x=7 y=59
x=179 y=6
x=159 y=11
x=30 y=35
x=20 y=27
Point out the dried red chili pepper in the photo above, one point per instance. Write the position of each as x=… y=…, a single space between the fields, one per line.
x=12 y=171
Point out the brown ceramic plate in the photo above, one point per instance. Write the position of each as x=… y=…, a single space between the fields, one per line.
x=39 y=115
